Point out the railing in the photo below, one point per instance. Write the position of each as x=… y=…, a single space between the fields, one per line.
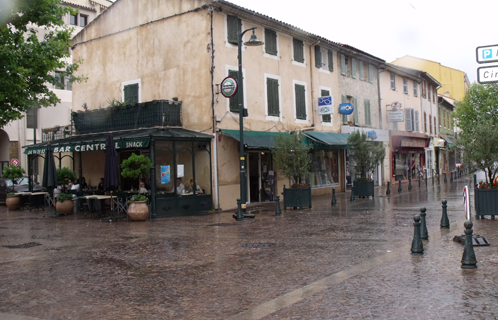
x=57 y=132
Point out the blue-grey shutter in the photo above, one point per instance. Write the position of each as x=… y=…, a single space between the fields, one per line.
x=344 y=99
x=272 y=96
x=368 y=119
x=408 y=120
x=300 y=102
x=343 y=64
x=356 y=116
x=270 y=41
x=326 y=117
x=370 y=73
x=318 y=57
x=416 y=122
x=393 y=81
x=353 y=68
x=362 y=73
x=331 y=60
x=233 y=29
x=131 y=94
x=415 y=88
x=234 y=101
x=298 y=50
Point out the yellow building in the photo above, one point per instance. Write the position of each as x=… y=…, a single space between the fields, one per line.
x=454 y=82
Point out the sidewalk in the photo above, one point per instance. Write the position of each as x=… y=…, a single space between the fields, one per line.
x=348 y=261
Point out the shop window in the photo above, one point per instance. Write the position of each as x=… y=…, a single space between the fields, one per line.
x=324 y=170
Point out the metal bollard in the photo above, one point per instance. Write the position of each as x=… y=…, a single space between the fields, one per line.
x=424 y=235
x=417 y=246
x=399 y=186
x=352 y=194
x=445 y=178
x=419 y=180
x=445 y=222
x=409 y=183
x=278 y=211
x=451 y=176
x=388 y=192
x=334 y=200
x=240 y=215
x=469 y=260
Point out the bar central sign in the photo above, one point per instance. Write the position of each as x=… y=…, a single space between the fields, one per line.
x=96 y=146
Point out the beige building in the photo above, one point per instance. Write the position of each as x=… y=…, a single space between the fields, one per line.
x=182 y=50
x=29 y=129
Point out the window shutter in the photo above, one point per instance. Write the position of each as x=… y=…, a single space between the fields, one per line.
x=272 y=92
x=131 y=94
x=298 y=50
x=393 y=81
x=353 y=67
x=416 y=122
x=318 y=57
x=343 y=65
x=408 y=120
x=362 y=73
x=368 y=119
x=300 y=102
x=344 y=116
x=355 y=112
x=270 y=42
x=233 y=29
x=331 y=60
x=370 y=73
x=234 y=101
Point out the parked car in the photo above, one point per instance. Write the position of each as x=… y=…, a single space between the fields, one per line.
x=22 y=185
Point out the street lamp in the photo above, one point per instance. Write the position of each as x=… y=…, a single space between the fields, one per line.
x=253 y=42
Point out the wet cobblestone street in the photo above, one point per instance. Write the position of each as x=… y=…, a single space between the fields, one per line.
x=348 y=261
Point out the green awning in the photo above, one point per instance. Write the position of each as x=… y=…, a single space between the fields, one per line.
x=449 y=141
x=327 y=140
x=261 y=140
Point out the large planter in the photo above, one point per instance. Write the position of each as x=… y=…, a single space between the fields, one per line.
x=138 y=211
x=297 y=197
x=13 y=202
x=363 y=188
x=66 y=206
x=486 y=202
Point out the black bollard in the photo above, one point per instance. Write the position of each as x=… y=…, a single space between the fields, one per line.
x=469 y=260
x=424 y=235
x=334 y=200
x=445 y=178
x=445 y=222
x=399 y=186
x=475 y=181
x=388 y=192
x=278 y=211
x=417 y=246
x=409 y=183
x=433 y=177
x=352 y=194
x=419 y=179
x=451 y=176
x=240 y=215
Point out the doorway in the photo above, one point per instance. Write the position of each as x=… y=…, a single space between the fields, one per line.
x=261 y=177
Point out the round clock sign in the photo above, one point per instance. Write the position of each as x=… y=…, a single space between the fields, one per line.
x=228 y=87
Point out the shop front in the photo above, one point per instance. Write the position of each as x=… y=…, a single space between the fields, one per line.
x=408 y=155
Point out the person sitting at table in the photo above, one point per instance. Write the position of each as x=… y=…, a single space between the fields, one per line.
x=57 y=190
x=179 y=186
x=101 y=184
x=83 y=184
x=75 y=186
x=142 y=188
x=198 y=189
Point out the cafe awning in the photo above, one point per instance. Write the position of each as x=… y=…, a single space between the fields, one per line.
x=327 y=140
x=255 y=140
x=449 y=141
x=130 y=139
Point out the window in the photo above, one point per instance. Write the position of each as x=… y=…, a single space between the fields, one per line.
x=300 y=98
x=368 y=116
x=425 y=122
x=324 y=58
x=354 y=66
x=131 y=91
x=83 y=20
x=393 y=81
x=59 y=77
x=429 y=95
x=69 y=84
x=318 y=57
x=371 y=73
x=330 y=56
x=272 y=97
x=415 y=89
x=430 y=124
x=31 y=118
x=434 y=95
x=424 y=92
x=362 y=73
x=326 y=117
x=405 y=85
x=298 y=47
x=344 y=65
x=73 y=19
x=355 y=112
x=270 y=42
x=234 y=101
x=234 y=27
x=411 y=120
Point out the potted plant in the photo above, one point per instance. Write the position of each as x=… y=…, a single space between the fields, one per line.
x=292 y=160
x=13 y=201
x=134 y=167
x=364 y=156
x=65 y=202
x=64 y=177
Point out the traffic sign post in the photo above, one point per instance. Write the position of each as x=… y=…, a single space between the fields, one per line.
x=487 y=54
x=14 y=162
x=487 y=74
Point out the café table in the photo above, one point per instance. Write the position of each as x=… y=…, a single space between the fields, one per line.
x=96 y=204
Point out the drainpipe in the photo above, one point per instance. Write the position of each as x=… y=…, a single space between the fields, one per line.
x=311 y=84
x=379 y=70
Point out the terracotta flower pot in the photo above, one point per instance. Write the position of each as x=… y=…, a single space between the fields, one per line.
x=13 y=202
x=65 y=206
x=138 y=210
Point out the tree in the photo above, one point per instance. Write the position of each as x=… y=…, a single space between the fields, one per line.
x=135 y=166
x=28 y=60
x=365 y=155
x=477 y=117
x=13 y=173
x=291 y=156
x=65 y=176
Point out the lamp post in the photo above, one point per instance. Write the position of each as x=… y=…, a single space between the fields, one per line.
x=253 y=42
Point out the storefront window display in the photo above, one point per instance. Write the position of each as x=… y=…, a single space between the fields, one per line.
x=324 y=170
x=406 y=166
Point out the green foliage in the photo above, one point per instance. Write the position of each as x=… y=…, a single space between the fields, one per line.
x=64 y=196
x=28 y=60
x=135 y=166
x=12 y=193
x=477 y=117
x=13 y=173
x=365 y=155
x=291 y=156
x=65 y=176
x=138 y=197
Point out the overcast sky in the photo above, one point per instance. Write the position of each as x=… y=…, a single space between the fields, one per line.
x=440 y=30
